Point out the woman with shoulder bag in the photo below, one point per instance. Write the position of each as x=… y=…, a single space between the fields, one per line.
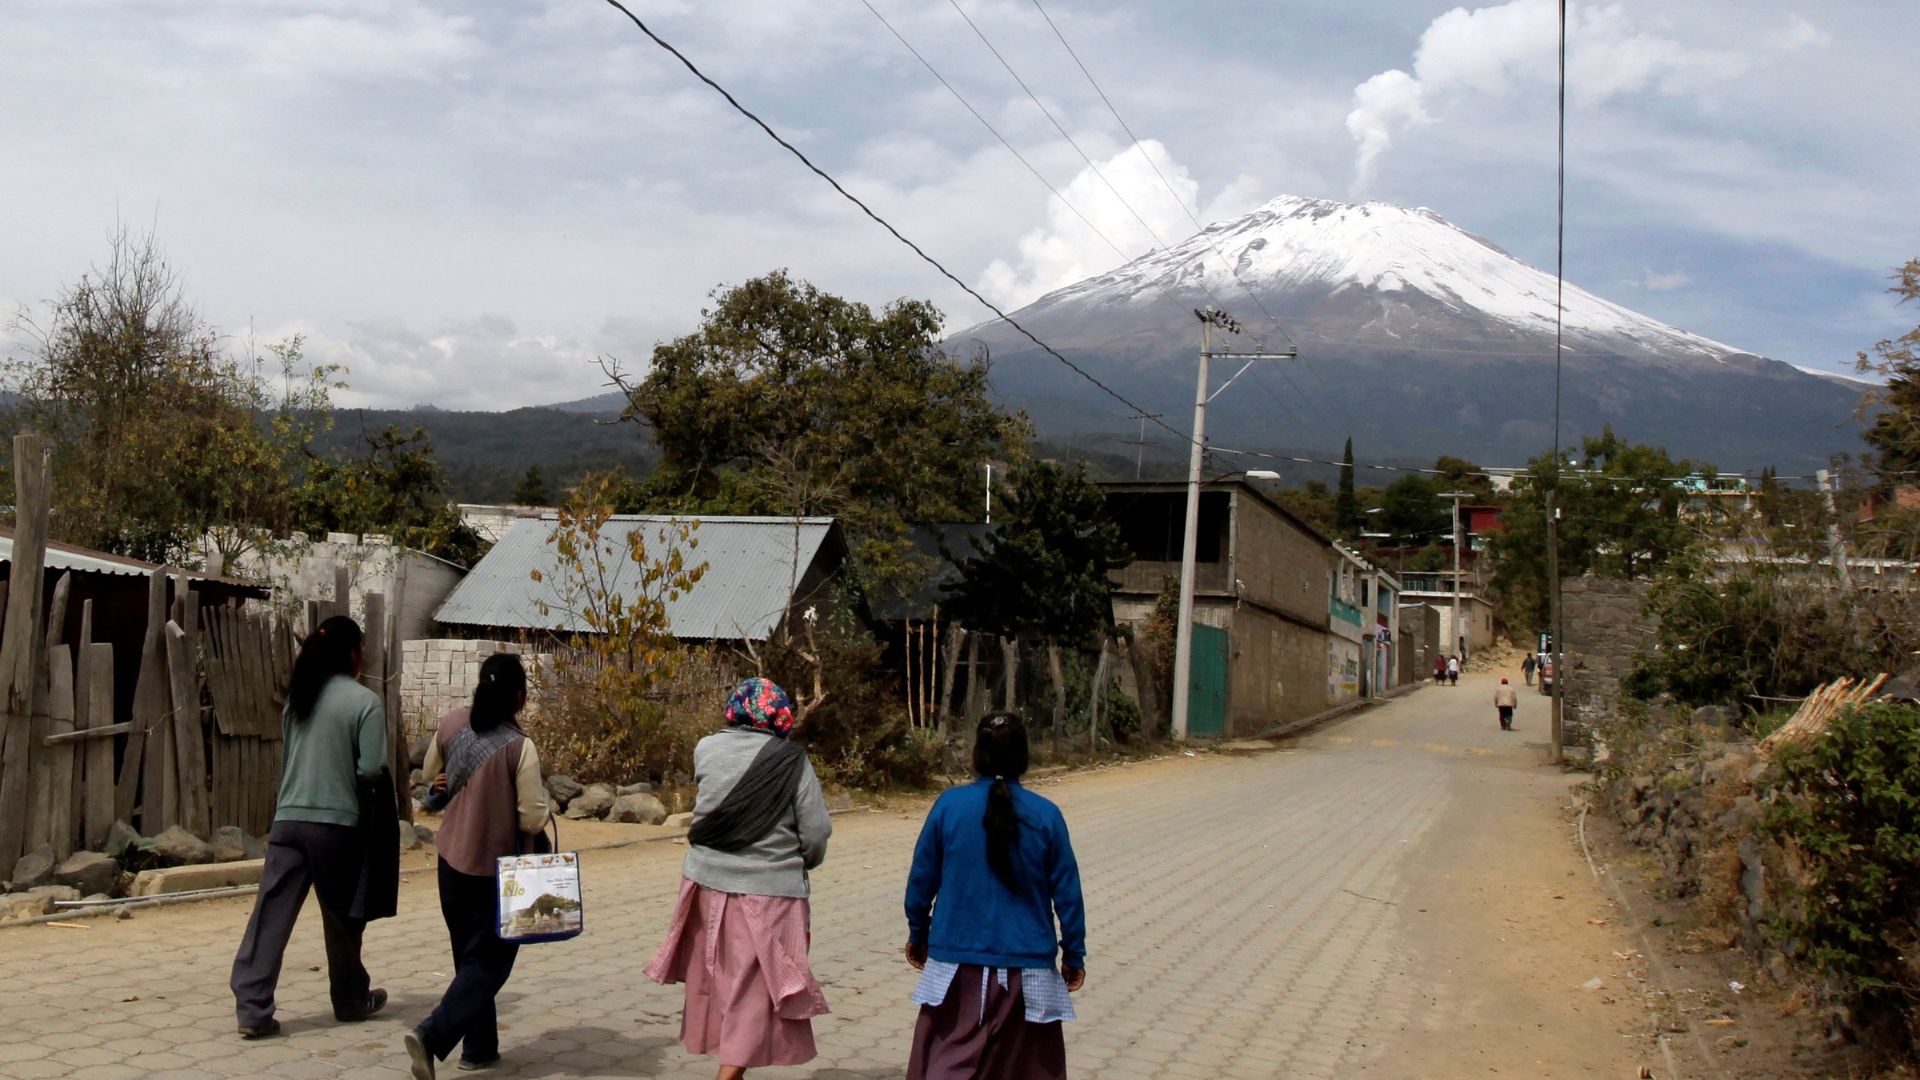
x=739 y=936
x=487 y=777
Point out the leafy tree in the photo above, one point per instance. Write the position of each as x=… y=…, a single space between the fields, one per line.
x=1620 y=516
x=532 y=489
x=1046 y=572
x=601 y=717
x=1346 y=507
x=1895 y=432
x=792 y=401
x=397 y=487
x=155 y=427
x=1413 y=511
x=1312 y=502
x=1459 y=474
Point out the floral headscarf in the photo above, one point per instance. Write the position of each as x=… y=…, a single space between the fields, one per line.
x=760 y=704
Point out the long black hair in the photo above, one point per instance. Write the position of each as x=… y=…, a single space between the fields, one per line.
x=502 y=690
x=1000 y=751
x=330 y=650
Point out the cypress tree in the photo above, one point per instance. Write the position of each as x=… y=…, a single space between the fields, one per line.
x=1346 y=508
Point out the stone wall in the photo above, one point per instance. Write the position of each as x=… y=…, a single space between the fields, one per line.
x=1606 y=631
x=439 y=674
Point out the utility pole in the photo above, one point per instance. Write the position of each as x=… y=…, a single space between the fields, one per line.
x=1459 y=642
x=1836 y=547
x=1183 y=632
x=989 y=492
x=1554 y=627
x=1140 y=445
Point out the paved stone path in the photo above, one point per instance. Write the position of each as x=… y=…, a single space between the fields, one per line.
x=1244 y=921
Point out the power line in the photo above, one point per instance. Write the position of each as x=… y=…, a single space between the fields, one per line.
x=877 y=219
x=1037 y=175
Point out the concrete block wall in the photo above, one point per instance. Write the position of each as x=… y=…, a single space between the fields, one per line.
x=439 y=674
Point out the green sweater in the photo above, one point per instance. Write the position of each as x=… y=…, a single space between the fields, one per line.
x=343 y=741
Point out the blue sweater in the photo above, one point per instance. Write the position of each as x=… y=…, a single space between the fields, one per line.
x=977 y=919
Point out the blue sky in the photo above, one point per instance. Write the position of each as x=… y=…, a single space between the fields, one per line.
x=466 y=201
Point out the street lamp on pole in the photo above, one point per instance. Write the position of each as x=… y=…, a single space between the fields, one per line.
x=1183 y=631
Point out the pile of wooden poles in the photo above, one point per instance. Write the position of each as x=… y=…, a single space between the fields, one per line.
x=1810 y=721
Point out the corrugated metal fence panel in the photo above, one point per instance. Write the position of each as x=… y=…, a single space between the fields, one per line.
x=752 y=567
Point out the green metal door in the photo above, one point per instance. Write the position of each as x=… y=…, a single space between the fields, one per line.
x=1207 y=700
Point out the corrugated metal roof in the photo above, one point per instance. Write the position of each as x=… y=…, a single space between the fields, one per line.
x=68 y=557
x=752 y=564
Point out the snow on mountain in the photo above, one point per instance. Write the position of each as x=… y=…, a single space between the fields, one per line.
x=1419 y=338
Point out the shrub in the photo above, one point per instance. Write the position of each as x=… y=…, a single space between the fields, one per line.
x=1846 y=809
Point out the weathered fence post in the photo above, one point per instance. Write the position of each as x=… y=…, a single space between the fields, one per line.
x=18 y=649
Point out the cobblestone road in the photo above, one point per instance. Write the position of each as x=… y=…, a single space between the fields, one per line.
x=1244 y=921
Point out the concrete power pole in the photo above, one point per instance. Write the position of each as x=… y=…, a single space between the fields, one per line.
x=1459 y=642
x=1836 y=547
x=1183 y=633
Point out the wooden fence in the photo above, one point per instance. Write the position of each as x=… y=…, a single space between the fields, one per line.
x=201 y=747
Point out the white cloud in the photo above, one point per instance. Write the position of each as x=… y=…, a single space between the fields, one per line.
x=479 y=363
x=1065 y=249
x=1512 y=48
x=1657 y=281
x=1800 y=34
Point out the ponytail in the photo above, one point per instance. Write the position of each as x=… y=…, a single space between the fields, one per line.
x=500 y=694
x=330 y=650
x=1000 y=751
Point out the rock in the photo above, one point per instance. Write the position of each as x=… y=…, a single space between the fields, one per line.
x=842 y=802
x=25 y=905
x=1741 y=818
x=564 y=788
x=178 y=847
x=591 y=803
x=409 y=839
x=637 y=810
x=417 y=751
x=88 y=872
x=1716 y=715
x=680 y=821
x=425 y=834
x=34 y=869
x=417 y=778
x=232 y=844
x=641 y=788
x=121 y=839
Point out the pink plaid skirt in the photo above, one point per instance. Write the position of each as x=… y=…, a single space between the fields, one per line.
x=750 y=990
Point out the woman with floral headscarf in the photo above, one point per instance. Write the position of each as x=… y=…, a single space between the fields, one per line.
x=739 y=935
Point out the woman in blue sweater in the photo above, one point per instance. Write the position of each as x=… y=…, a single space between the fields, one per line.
x=991 y=873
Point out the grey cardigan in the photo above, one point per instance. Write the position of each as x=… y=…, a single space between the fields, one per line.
x=775 y=865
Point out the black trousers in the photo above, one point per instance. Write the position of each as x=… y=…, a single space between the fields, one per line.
x=303 y=855
x=481 y=965
x=1506 y=715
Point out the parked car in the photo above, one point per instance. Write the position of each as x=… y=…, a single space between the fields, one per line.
x=1545 y=679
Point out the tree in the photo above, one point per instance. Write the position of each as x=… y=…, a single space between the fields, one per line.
x=532 y=489
x=397 y=487
x=1346 y=507
x=600 y=717
x=1459 y=474
x=1620 y=516
x=1312 y=503
x=1046 y=571
x=788 y=390
x=1895 y=432
x=1413 y=512
x=157 y=432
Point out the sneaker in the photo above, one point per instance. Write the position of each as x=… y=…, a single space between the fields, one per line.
x=376 y=1000
x=476 y=1065
x=417 y=1055
x=265 y=1029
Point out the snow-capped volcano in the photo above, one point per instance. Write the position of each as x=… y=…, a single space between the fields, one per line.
x=1421 y=338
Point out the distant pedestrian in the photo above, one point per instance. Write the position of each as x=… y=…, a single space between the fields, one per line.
x=739 y=936
x=992 y=872
x=1526 y=668
x=1439 y=670
x=1453 y=671
x=1505 y=699
x=486 y=775
x=334 y=739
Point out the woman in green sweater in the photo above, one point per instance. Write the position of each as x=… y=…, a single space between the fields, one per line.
x=335 y=736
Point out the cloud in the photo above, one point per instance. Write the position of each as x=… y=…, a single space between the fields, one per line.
x=1511 y=49
x=1065 y=249
x=480 y=363
x=1655 y=281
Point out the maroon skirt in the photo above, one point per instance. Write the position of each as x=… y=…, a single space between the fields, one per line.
x=955 y=1040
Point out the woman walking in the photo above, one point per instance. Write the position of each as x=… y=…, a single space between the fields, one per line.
x=739 y=935
x=487 y=776
x=992 y=872
x=334 y=736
